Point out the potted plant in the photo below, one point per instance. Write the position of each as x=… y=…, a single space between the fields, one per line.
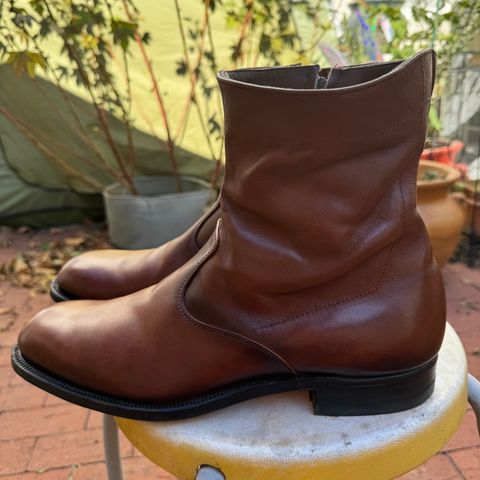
x=443 y=212
x=93 y=36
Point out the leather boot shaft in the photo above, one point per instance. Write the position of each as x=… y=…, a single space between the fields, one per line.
x=322 y=255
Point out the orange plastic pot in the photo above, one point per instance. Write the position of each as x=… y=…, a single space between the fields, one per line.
x=445 y=154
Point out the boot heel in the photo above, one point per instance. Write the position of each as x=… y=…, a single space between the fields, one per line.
x=351 y=396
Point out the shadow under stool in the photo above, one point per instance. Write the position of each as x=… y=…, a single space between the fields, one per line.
x=278 y=437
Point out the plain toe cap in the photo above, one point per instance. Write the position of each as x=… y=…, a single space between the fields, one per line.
x=45 y=341
x=86 y=276
x=76 y=271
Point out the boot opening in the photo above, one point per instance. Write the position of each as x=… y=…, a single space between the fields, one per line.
x=293 y=77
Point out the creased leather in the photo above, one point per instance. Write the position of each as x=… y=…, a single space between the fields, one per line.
x=323 y=256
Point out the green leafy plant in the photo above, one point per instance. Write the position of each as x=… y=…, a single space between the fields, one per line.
x=447 y=26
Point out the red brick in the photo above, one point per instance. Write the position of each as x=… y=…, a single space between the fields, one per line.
x=10 y=338
x=459 y=271
x=474 y=365
x=469 y=275
x=140 y=468
x=95 y=420
x=21 y=476
x=22 y=396
x=468 y=461
x=463 y=303
x=35 y=304
x=51 y=474
x=72 y=448
x=18 y=380
x=92 y=471
x=461 y=320
x=133 y=468
x=5 y=354
x=15 y=455
x=456 y=293
x=438 y=467
x=6 y=376
x=14 y=297
x=471 y=339
x=41 y=421
x=53 y=400
x=7 y=319
x=466 y=436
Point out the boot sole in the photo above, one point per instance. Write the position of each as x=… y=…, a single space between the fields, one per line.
x=58 y=295
x=330 y=394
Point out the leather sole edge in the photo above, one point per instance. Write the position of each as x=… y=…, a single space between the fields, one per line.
x=330 y=395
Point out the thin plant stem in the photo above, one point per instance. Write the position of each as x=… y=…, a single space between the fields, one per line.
x=131 y=147
x=247 y=20
x=258 y=51
x=125 y=114
x=218 y=162
x=100 y=111
x=193 y=72
x=159 y=99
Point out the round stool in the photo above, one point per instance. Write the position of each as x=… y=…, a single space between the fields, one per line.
x=278 y=438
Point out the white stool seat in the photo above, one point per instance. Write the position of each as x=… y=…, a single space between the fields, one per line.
x=278 y=437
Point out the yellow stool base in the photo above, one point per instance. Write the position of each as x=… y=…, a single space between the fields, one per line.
x=278 y=437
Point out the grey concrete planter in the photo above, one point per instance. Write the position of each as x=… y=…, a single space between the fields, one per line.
x=158 y=214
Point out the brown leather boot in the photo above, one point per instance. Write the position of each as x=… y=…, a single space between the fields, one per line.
x=105 y=274
x=319 y=275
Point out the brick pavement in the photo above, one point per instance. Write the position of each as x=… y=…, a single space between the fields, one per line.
x=44 y=438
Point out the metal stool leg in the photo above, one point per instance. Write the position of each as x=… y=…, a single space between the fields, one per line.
x=474 y=397
x=112 y=449
x=205 y=472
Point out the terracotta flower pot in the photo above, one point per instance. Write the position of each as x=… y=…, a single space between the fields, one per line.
x=444 y=213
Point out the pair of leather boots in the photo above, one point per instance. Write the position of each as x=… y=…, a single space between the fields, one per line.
x=313 y=271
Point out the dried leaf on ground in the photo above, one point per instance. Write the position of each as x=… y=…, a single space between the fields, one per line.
x=36 y=267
